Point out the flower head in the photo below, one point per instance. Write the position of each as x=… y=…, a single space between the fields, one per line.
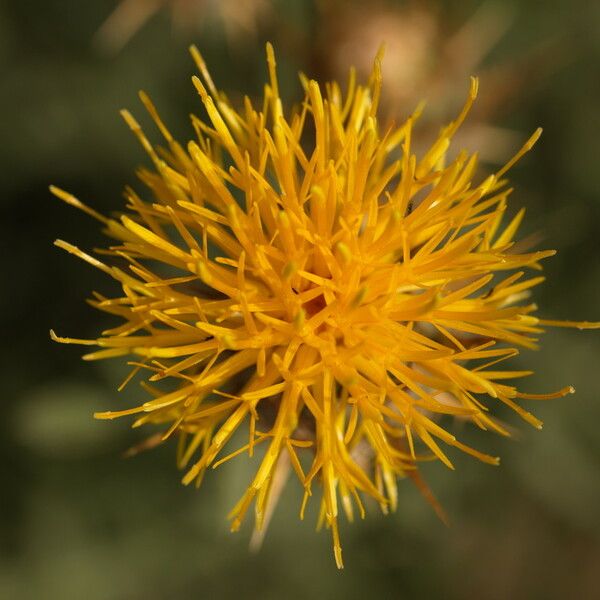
x=354 y=293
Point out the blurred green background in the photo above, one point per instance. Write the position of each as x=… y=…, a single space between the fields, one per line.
x=77 y=520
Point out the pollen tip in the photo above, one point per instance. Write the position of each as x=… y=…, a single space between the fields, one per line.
x=344 y=251
x=270 y=52
x=474 y=86
x=299 y=319
x=189 y=477
x=199 y=87
x=129 y=118
x=289 y=269
x=360 y=296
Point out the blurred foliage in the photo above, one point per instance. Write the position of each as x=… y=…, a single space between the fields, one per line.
x=77 y=521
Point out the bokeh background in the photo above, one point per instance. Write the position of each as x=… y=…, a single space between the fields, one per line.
x=79 y=521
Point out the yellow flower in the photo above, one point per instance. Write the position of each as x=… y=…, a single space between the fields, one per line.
x=355 y=292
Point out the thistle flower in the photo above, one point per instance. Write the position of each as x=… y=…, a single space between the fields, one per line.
x=357 y=294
